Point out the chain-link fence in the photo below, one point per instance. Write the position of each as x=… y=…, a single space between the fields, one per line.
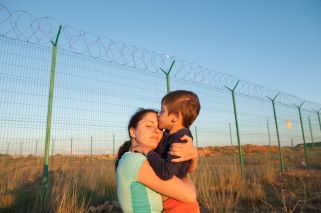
x=99 y=83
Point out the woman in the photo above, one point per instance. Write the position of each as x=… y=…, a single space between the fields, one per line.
x=139 y=189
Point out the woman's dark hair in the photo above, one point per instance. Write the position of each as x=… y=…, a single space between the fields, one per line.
x=138 y=116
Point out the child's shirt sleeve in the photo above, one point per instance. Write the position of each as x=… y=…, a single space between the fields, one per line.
x=163 y=167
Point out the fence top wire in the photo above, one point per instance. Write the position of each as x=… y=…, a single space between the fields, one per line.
x=24 y=26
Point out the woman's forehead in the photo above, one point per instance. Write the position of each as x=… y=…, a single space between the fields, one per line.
x=150 y=117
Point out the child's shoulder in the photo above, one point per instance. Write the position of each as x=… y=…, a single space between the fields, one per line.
x=175 y=137
x=183 y=131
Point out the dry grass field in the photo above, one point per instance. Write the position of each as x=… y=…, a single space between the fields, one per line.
x=78 y=183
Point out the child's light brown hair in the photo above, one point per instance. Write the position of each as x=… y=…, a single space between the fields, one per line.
x=185 y=102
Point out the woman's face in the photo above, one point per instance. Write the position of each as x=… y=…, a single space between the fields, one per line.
x=147 y=131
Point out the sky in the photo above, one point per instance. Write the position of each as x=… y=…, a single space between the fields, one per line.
x=272 y=43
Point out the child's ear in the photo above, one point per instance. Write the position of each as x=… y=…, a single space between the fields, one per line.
x=132 y=132
x=175 y=116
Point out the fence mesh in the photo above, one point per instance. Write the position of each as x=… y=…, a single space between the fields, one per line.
x=99 y=83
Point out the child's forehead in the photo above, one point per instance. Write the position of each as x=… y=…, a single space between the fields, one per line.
x=164 y=105
x=163 y=108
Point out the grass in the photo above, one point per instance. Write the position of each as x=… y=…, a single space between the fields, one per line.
x=76 y=183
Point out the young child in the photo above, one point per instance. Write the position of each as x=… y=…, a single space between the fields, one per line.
x=179 y=109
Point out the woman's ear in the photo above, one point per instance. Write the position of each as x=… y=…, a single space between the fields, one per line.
x=132 y=132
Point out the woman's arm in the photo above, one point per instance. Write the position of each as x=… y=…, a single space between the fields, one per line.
x=185 y=151
x=193 y=165
x=182 y=190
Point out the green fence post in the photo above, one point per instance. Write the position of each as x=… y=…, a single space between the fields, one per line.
x=196 y=137
x=277 y=131
x=270 y=143
x=311 y=133
x=305 y=147
x=45 y=181
x=237 y=127
x=167 y=76
x=268 y=128
x=91 y=147
x=231 y=134
x=318 y=113
x=113 y=145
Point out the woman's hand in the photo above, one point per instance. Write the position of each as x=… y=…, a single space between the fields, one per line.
x=185 y=151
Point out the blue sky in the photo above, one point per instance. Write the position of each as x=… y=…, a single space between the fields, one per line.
x=272 y=43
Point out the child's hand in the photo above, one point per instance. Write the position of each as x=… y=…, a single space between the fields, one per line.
x=141 y=148
x=185 y=151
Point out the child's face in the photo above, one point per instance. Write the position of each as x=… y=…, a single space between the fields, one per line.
x=164 y=118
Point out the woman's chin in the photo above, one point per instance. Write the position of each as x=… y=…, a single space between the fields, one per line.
x=153 y=145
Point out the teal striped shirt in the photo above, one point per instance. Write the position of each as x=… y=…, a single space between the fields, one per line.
x=132 y=195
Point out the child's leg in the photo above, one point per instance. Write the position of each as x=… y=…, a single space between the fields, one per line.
x=174 y=206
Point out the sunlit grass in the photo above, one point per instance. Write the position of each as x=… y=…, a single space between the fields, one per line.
x=76 y=183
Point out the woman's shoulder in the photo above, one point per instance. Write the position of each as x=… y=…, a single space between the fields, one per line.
x=130 y=164
x=133 y=157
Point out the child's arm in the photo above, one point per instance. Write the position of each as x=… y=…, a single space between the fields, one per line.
x=179 y=189
x=185 y=151
x=164 y=168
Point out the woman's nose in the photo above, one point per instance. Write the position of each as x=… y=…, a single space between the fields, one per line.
x=157 y=130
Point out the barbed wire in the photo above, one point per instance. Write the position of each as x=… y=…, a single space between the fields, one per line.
x=24 y=26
